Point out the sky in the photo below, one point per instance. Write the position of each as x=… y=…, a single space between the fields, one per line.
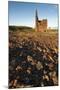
x=23 y=13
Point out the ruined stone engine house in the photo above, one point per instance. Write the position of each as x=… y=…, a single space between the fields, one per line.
x=41 y=25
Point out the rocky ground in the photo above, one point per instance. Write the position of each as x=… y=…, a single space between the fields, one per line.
x=33 y=59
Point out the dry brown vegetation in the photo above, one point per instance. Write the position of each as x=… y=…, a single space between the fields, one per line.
x=33 y=59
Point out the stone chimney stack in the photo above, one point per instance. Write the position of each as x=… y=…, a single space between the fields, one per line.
x=36 y=21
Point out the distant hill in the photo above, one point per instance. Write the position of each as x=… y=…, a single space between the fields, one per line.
x=20 y=28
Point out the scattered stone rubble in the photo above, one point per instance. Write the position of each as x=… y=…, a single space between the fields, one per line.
x=32 y=63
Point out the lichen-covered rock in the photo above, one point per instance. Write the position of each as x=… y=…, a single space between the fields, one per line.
x=39 y=65
x=29 y=58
